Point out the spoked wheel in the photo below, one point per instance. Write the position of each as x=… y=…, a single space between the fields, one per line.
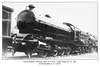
x=80 y=50
x=54 y=53
x=83 y=50
x=61 y=52
x=68 y=50
x=86 y=49
x=92 y=49
x=96 y=49
x=43 y=53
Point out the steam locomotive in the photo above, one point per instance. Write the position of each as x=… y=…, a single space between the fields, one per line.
x=43 y=38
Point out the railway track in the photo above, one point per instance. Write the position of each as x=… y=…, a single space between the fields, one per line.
x=22 y=56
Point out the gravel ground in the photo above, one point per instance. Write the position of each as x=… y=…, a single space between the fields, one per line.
x=22 y=56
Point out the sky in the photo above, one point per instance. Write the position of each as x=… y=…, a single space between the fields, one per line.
x=81 y=15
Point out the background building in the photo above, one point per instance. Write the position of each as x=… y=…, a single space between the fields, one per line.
x=6 y=28
x=6 y=20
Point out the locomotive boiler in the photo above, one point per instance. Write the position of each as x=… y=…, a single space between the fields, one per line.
x=45 y=39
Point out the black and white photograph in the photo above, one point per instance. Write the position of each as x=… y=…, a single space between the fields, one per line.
x=36 y=33
x=53 y=31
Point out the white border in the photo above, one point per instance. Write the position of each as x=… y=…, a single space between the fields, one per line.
x=79 y=63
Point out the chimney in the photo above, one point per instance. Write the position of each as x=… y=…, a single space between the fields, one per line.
x=31 y=7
